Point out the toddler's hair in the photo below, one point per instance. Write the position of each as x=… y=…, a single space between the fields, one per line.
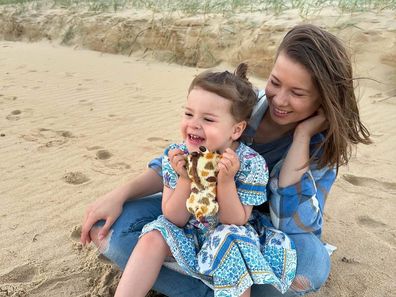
x=231 y=86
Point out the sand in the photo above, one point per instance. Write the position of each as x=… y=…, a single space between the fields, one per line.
x=75 y=123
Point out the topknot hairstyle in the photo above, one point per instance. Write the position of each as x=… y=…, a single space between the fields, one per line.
x=231 y=86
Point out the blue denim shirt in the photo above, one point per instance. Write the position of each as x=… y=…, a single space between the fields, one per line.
x=297 y=208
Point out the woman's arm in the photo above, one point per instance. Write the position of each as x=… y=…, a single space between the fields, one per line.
x=297 y=204
x=298 y=208
x=297 y=158
x=109 y=206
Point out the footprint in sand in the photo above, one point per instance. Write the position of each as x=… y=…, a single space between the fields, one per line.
x=153 y=139
x=85 y=102
x=103 y=155
x=384 y=232
x=20 y=274
x=69 y=74
x=119 y=166
x=158 y=141
x=368 y=182
x=94 y=148
x=75 y=178
x=66 y=134
x=105 y=167
x=370 y=222
x=8 y=98
x=48 y=138
x=15 y=115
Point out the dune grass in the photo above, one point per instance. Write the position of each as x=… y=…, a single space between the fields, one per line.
x=305 y=7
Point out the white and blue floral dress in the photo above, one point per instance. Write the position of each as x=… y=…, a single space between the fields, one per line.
x=231 y=258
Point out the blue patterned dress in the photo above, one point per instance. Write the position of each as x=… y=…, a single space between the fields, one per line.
x=231 y=258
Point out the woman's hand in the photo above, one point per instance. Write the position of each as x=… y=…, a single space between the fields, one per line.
x=296 y=162
x=228 y=166
x=177 y=159
x=107 y=208
x=312 y=125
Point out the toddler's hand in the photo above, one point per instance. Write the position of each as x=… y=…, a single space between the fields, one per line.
x=177 y=159
x=228 y=166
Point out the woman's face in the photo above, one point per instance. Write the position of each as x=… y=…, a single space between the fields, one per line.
x=291 y=94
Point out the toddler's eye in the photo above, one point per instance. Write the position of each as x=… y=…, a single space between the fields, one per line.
x=188 y=114
x=209 y=120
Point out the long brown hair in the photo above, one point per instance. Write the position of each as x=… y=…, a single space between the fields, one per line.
x=326 y=59
x=231 y=86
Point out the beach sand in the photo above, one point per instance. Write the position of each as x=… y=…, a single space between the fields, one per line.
x=76 y=123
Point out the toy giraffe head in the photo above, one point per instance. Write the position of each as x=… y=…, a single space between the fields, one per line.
x=202 y=170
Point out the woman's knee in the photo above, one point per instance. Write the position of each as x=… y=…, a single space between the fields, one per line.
x=302 y=284
x=313 y=263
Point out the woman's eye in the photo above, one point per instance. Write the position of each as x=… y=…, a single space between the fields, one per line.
x=297 y=94
x=275 y=83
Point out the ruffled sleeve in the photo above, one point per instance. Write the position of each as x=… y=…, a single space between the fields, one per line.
x=169 y=175
x=251 y=179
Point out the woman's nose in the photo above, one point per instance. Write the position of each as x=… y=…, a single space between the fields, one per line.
x=281 y=98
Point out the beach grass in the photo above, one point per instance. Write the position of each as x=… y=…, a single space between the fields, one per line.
x=193 y=7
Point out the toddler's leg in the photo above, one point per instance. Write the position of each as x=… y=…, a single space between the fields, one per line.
x=143 y=266
x=123 y=236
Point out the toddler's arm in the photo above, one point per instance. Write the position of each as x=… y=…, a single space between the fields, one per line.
x=231 y=210
x=174 y=200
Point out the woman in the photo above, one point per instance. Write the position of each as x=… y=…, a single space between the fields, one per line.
x=306 y=124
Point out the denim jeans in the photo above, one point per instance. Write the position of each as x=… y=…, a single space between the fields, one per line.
x=313 y=261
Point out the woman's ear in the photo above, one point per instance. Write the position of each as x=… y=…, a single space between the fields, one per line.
x=238 y=130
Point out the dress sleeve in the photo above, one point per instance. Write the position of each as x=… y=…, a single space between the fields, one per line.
x=299 y=208
x=169 y=175
x=251 y=180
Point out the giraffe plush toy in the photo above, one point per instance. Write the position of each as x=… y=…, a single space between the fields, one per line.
x=202 y=170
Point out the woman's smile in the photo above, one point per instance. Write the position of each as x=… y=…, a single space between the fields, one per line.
x=280 y=112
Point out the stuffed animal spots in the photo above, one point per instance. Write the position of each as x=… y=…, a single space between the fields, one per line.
x=202 y=170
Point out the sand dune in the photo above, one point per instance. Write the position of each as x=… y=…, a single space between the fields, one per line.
x=75 y=123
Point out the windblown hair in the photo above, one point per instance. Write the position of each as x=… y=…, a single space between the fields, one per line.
x=231 y=86
x=326 y=59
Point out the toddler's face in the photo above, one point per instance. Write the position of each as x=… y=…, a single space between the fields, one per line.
x=207 y=121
